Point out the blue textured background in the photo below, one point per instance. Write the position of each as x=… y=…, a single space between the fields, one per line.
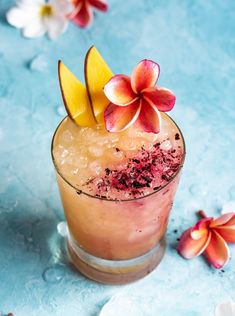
x=194 y=43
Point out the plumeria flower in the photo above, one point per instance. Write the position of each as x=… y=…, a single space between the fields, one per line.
x=37 y=17
x=82 y=15
x=225 y=309
x=210 y=237
x=137 y=100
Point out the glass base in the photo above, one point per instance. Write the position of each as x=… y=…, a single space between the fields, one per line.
x=115 y=271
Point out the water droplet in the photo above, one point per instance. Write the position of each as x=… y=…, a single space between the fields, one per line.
x=38 y=63
x=61 y=111
x=62 y=229
x=198 y=190
x=54 y=273
x=228 y=207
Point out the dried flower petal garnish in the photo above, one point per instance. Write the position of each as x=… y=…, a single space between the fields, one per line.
x=136 y=99
x=210 y=237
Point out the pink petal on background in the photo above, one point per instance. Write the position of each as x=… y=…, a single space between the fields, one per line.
x=189 y=247
x=162 y=98
x=83 y=15
x=225 y=226
x=226 y=232
x=231 y=221
x=118 y=118
x=145 y=75
x=99 y=4
x=149 y=119
x=201 y=228
x=217 y=251
x=223 y=219
x=77 y=7
x=118 y=90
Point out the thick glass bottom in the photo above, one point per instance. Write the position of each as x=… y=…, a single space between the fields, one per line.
x=115 y=271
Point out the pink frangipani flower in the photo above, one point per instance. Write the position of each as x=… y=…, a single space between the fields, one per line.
x=83 y=11
x=210 y=237
x=137 y=100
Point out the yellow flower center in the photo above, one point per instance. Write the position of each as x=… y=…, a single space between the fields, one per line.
x=46 y=10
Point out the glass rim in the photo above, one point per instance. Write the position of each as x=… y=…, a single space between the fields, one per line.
x=117 y=200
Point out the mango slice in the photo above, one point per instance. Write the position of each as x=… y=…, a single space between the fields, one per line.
x=75 y=97
x=97 y=74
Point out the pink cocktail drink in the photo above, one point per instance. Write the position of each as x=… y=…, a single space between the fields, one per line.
x=117 y=190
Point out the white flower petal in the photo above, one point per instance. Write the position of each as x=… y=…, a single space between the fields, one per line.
x=30 y=3
x=225 y=309
x=34 y=29
x=56 y=26
x=17 y=17
x=27 y=16
x=62 y=7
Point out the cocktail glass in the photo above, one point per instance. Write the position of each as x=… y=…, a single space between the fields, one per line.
x=116 y=241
